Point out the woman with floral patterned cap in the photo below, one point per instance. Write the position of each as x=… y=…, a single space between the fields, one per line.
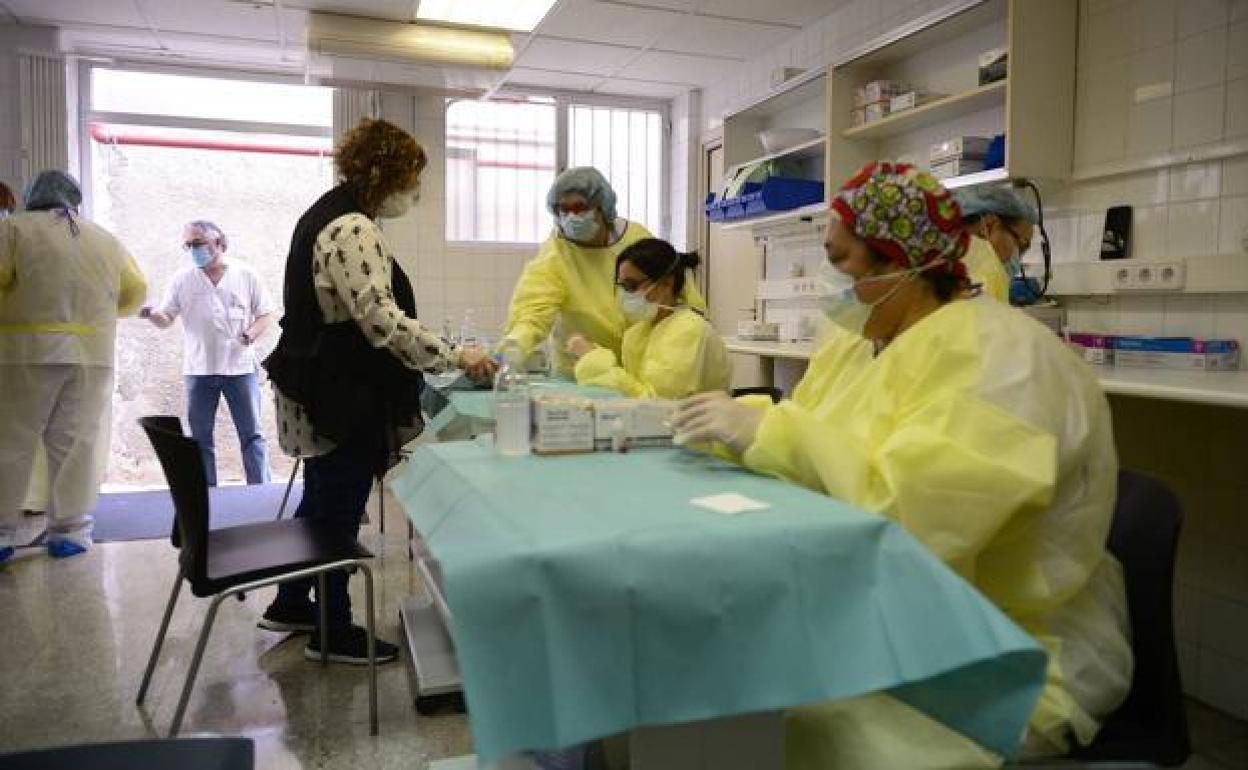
x=974 y=428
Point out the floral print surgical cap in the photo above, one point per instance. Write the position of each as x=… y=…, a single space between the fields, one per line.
x=905 y=215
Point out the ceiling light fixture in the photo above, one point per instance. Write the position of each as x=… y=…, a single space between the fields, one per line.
x=517 y=15
x=352 y=36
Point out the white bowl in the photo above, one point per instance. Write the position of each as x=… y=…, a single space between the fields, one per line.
x=776 y=140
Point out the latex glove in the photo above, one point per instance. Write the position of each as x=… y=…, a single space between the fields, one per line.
x=716 y=416
x=578 y=346
x=477 y=364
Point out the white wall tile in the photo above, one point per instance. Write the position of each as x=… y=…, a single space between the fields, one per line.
x=1188 y=316
x=1148 y=23
x=1231 y=317
x=1091 y=230
x=1193 y=229
x=1140 y=315
x=1200 y=60
x=1237 y=108
x=1198 y=116
x=1149 y=228
x=1237 y=51
x=1195 y=181
x=1233 y=225
x=1235 y=176
x=1196 y=16
x=1064 y=238
x=1149 y=128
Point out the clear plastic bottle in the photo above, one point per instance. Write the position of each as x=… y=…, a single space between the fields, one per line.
x=468 y=330
x=512 y=412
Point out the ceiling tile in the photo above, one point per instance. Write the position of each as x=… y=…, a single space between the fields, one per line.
x=121 y=13
x=225 y=19
x=795 y=12
x=679 y=68
x=718 y=37
x=608 y=23
x=564 y=81
x=395 y=10
x=565 y=56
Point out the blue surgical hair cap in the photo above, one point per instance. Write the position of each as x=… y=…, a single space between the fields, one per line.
x=1002 y=201
x=209 y=228
x=52 y=190
x=586 y=181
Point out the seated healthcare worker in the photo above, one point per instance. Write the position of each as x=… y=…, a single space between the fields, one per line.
x=671 y=350
x=973 y=427
x=572 y=279
x=1001 y=225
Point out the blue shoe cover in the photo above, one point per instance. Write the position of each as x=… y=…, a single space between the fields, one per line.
x=6 y=553
x=63 y=549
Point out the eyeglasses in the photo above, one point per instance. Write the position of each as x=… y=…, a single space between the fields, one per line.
x=192 y=244
x=573 y=207
x=631 y=286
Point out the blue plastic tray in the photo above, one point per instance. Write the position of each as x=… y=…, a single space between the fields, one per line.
x=774 y=195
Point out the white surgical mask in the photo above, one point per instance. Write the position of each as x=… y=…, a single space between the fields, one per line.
x=635 y=306
x=579 y=227
x=397 y=205
x=848 y=311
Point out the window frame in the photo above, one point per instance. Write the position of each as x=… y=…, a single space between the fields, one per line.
x=562 y=101
x=87 y=115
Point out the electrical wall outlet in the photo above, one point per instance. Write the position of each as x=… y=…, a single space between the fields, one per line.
x=1150 y=276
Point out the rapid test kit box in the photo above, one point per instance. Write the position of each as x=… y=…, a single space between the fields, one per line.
x=1176 y=353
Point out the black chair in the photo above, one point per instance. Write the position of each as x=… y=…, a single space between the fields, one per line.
x=218 y=753
x=1149 y=729
x=774 y=393
x=233 y=560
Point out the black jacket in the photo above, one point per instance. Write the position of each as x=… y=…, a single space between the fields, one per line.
x=352 y=392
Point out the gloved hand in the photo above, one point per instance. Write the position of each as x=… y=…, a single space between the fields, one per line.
x=716 y=416
x=578 y=346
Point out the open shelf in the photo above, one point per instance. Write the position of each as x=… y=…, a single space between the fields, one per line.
x=939 y=111
x=970 y=180
x=805 y=151
x=811 y=212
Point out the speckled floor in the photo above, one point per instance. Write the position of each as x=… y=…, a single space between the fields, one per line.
x=75 y=635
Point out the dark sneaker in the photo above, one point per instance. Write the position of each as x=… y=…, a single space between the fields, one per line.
x=289 y=618
x=350 y=646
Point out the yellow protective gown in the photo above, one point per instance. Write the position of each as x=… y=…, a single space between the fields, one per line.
x=987 y=269
x=982 y=435
x=673 y=358
x=61 y=292
x=574 y=285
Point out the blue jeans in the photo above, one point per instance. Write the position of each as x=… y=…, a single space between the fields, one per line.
x=242 y=393
x=335 y=490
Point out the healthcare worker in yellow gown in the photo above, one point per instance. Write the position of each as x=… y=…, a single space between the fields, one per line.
x=569 y=287
x=671 y=350
x=63 y=283
x=973 y=427
x=1001 y=225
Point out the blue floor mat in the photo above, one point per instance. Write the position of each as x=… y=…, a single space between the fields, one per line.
x=149 y=515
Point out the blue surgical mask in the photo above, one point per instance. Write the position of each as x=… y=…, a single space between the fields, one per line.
x=201 y=255
x=579 y=227
x=1014 y=266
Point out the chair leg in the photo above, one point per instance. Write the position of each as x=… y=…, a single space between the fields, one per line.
x=160 y=637
x=294 y=472
x=371 y=625
x=196 y=659
x=324 y=607
x=381 y=505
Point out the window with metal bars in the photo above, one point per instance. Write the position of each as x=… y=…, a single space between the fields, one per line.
x=502 y=155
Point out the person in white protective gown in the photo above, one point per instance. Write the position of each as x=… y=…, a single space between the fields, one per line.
x=64 y=281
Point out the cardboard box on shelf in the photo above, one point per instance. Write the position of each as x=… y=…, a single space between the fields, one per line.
x=878 y=90
x=947 y=169
x=959 y=147
x=911 y=99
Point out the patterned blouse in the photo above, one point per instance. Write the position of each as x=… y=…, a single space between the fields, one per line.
x=351 y=271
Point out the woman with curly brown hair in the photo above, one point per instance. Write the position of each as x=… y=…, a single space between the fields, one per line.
x=348 y=367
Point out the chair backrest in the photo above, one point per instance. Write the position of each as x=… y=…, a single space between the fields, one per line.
x=774 y=393
x=183 y=465
x=1151 y=724
x=215 y=753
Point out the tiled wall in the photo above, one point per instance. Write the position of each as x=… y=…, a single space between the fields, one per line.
x=1155 y=77
x=451 y=280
